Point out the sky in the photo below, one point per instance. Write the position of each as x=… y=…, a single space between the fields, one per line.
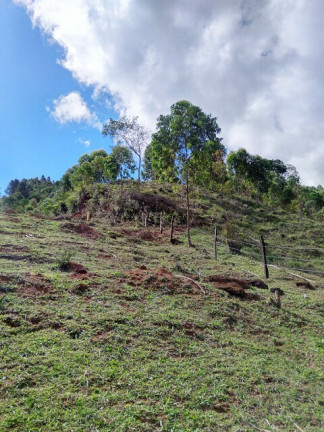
x=67 y=66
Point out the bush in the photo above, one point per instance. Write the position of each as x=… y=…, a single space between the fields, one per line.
x=64 y=260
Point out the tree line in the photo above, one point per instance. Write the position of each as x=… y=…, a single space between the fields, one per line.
x=187 y=149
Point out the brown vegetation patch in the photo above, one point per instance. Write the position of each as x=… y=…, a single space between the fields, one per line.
x=235 y=287
x=161 y=279
x=82 y=229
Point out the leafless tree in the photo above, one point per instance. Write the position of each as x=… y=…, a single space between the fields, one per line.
x=128 y=132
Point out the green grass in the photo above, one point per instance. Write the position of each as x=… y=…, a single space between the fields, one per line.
x=117 y=357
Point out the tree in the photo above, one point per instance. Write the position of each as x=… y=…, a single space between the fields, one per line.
x=181 y=138
x=96 y=167
x=123 y=162
x=257 y=170
x=128 y=132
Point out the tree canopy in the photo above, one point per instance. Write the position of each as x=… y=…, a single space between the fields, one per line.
x=129 y=133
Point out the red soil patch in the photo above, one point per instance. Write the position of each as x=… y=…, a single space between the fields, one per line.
x=82 y=229
x=235 y=287
x=78 y=271
x=78 y=268
x=35 y=285
x=161 y=279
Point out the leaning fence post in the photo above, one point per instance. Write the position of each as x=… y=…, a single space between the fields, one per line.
x=215 y=242
x=264 y=257
x=171 y=231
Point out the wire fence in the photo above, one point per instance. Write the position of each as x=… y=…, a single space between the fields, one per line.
x=280 y=261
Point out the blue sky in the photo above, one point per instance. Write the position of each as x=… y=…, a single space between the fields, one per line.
x=67 y=65
x=32 y=143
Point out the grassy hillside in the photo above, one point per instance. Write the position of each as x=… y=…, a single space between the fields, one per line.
x=106 y=326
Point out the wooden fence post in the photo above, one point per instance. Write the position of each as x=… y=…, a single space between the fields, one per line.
x=264 y=257
x=171 y=231
x=215 y=242
x=161 y=222
x=146 y=215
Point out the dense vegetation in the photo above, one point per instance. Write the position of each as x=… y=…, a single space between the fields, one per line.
x=185 y=149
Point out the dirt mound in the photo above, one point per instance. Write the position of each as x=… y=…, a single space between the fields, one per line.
x=305 y=285
x=235 y=287
x=82 y=229
x=77 y=268
x=35 y=285
x=161 y=279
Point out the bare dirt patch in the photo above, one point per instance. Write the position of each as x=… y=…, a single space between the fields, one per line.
x=82 y=229
x=305 y=285
x=77 y=268
x=161 y=279
x=233 y=286
x=35 y=285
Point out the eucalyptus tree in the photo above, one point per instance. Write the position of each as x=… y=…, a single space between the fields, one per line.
x=182 y=137
x=129 y=133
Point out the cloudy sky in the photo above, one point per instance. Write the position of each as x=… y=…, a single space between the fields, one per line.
x=257 y=65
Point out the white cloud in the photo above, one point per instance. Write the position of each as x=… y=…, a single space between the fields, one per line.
x=72 y=108
x=86 y=143
x=256 y=64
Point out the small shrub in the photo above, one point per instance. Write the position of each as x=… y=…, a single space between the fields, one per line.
x=64 y=260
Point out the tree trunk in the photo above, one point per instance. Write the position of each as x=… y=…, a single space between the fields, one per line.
x=139 y=168
x=188 y=208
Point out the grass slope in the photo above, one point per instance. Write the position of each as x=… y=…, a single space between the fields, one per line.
x=127 y=347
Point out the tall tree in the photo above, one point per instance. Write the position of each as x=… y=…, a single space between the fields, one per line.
x=122 y=161
x=181 y=137
x=128 y=132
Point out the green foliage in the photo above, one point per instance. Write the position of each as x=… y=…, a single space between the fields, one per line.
x=185 y=149
x=259 y=171
x=186 y=144
x=64 y=260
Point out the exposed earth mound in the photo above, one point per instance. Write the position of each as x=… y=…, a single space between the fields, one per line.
x=163 y=280
x=237 y=287
x=82 y=229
